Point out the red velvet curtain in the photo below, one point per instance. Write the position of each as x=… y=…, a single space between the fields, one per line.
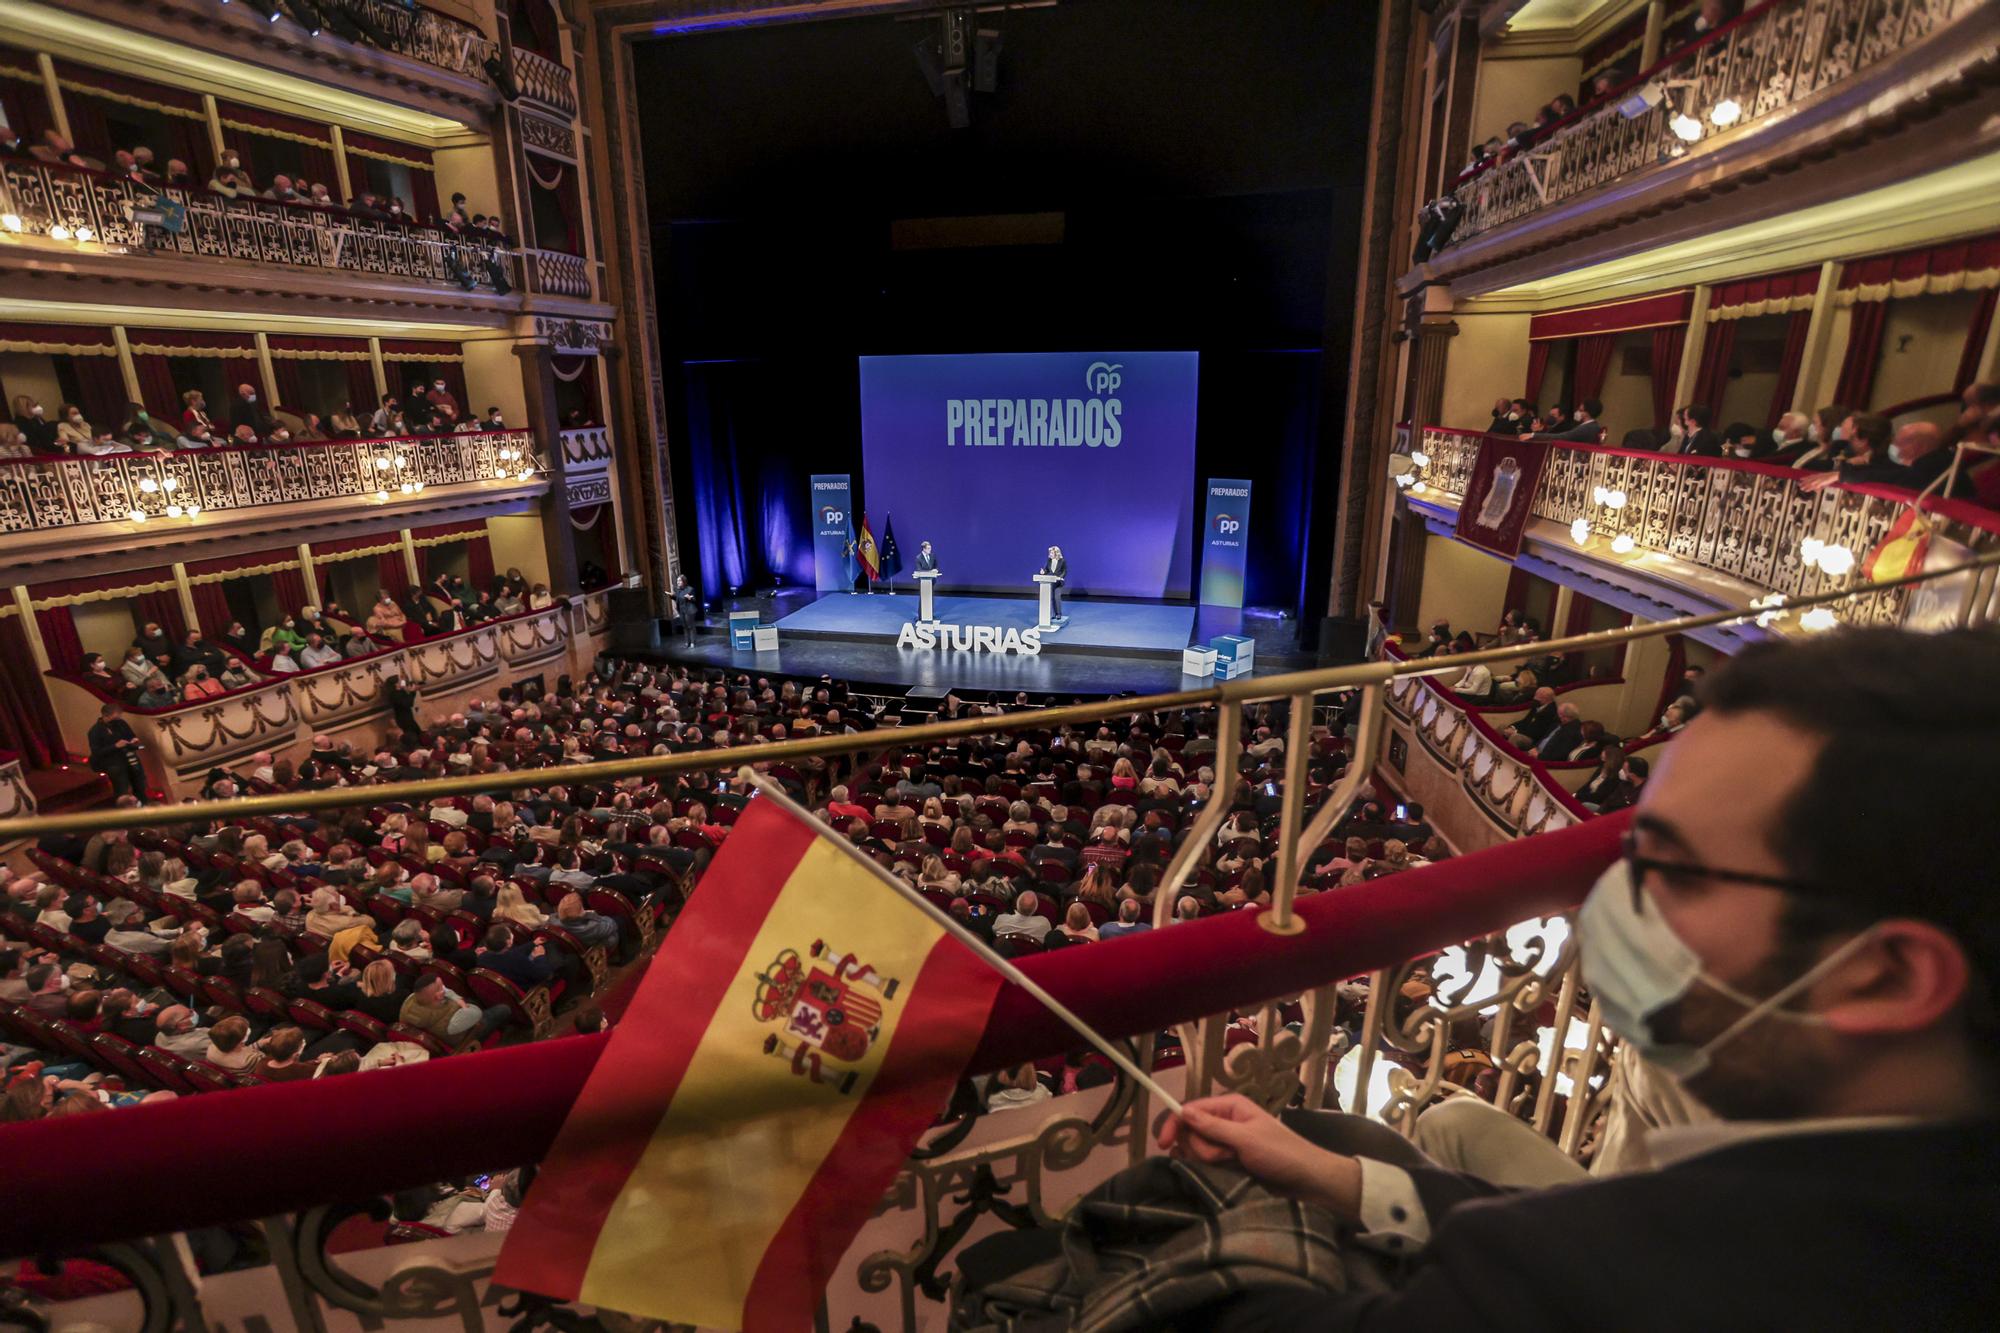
x=1975 y=341
x=1668 y=343
x=290 y=585
x=162 y=606
x=1712 y=379
x=59 y=638
x=102 y=385
x=1593 y=363
x=23 y=98
x=211 y=608
x=245 y=370
x=156 y=388
x=292 y=386
x=27 y=722
x=1788 y=367
x=391 y=573
x=1538 y=367
x=424 y=195
x=361 y=395
x=1864 y=352
x=479 y=561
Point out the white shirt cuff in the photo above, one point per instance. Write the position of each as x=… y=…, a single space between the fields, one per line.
x=1393 y=1220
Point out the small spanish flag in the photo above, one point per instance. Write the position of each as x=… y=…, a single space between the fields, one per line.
x=871 y=559
x=802 y=1026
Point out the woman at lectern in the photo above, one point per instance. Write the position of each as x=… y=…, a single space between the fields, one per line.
x=1059 y=567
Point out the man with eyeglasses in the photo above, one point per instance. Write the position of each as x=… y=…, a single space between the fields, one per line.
x=1814 y=959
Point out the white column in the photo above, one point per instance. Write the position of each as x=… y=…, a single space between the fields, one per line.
x=1819 y=337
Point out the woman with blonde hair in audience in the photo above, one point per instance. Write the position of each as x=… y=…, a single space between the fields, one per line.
x=1077 y=924
x=933 y=815
x=1124 y=777
x=936 y=875
x=510 y=905
x=394 y=830
x=73 y=431
x=1021 y=819
x=13 y=444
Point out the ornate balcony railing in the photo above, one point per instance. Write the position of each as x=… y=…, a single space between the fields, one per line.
x=587 y=465
x=1247 y=1000
x=1747 y=520
x=557 y=273
x=68 y=204
x=44 y=494
x=1775 y=56
x=422 y=34
x=543 y=80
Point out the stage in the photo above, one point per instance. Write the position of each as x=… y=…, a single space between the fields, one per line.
x=1119 y=629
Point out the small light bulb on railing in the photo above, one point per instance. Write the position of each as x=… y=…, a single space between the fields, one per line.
x=402 y=460
x=148 y=485
x=1579 y=531
x=85 y=234
x=1418 y=488
x=58 y=232
x=383 y=465
x=417 y=489
x=1835 y=560
x=1622 y=544
x=1404 y=480
x=1809 y=550
x=1420 y=458
x=174 y=511
x=1769 y=609
x=136 y=515
x=1819 y=620
x=1685 y=127
x=1614 y=499
x=11 y=221
x=382 y=497
x=408 y=488
x=1726 y=112
x=1597 y=494
x=193 y=511
x=170 y=485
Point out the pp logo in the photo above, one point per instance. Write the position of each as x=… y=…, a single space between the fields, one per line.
x=830 y=516
x=1224 y=525
x=1103 y=377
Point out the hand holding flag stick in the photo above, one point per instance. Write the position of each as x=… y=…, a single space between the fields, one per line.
x=985 y=952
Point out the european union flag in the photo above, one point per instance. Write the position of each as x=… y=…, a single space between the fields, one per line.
x=892 y=560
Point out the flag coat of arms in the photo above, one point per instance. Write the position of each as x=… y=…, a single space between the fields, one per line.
x=801 y=1028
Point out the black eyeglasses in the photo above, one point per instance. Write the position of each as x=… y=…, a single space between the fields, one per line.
x=1640 y=865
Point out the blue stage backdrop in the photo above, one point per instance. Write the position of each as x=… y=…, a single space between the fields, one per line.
x=1225 y=541
x=995 y=458
x=832 y=504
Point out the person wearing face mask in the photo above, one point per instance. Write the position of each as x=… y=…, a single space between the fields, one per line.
x=1825 y=438
x=1743 y=440
x=1790 y=437
x=1825 y=990
x=440 y=397
x=72 y=431
x=1866 y=437
x=229 y=179
x=284 y=634
x=31 y=419
x=1699 y=439
x=1587 y=428
x=247 y=411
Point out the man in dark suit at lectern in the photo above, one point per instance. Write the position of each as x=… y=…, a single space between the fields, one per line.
x=926 y=561
x=1059 y=567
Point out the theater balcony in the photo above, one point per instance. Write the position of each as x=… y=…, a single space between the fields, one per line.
x=1793 y=103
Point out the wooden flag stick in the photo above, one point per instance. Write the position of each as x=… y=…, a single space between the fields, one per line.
x=986 y=952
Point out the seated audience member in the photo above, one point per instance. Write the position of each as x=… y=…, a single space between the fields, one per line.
x=434 y=1008
x=1631 y=781
x=317 y=653
x=1811 y=981
x=1130 y=911
x=1026 y=918
x=1539 y=721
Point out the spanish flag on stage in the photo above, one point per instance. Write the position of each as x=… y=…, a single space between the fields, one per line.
x=801 y=1027
x=871 y=559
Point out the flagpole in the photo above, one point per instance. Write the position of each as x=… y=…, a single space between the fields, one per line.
x=958 y=931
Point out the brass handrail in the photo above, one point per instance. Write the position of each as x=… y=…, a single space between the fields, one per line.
x=1249 y=689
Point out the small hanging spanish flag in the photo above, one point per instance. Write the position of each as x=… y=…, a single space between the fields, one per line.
x=803 y=1025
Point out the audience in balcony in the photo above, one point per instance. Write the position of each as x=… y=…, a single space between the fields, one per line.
x=1585 y=428
x=56 y=148
x=31 y=419
x=247 y=413
x=343 y=424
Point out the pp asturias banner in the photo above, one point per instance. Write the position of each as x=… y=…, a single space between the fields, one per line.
x=832 y=496
x=1226 y=536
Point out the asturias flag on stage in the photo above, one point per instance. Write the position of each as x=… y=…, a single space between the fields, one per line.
x=850 y=566
x=797 y=1033
x=892 y=559
x=870 y=558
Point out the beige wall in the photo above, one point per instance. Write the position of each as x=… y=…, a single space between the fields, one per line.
x=469 y=171
x=105 y=627
x=1462 y=584
x=517 y=544
x=34 y=374
x=1628 y=399
x=493 y=377
x=1922 y=340
x=1511 y=90
x=1488 y=359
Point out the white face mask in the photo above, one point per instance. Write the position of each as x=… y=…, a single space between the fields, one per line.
x=1777 y=435
x=1636 y=967
x=1677 y=430
x=1742 y=451
x=35 y=411
x=1812 y=432
x=1896 y=456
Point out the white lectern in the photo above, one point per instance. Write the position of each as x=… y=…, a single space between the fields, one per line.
x=1049 y=583
x=926 y=598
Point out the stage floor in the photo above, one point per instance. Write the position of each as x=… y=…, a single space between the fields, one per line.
x=1127 y=629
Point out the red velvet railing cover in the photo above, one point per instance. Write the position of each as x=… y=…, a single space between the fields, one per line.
x=148 y=1170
